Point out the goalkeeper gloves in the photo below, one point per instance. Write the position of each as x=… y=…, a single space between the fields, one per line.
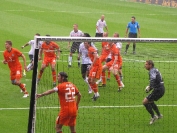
x=147 y=89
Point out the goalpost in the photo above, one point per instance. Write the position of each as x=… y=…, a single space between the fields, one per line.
x=136 y=73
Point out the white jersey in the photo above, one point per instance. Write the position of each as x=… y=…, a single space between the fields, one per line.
x=79 y=33
x=119 y=45
x=100 y=24
x=84 y=53
x=31 y=52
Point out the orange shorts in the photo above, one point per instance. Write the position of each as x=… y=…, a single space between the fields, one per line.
x=66 y=120
x=95 y=72
x=49 y=60
x=116 y=66
x=16 y=74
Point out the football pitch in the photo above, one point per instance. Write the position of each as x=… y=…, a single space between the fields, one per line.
x=113 y=112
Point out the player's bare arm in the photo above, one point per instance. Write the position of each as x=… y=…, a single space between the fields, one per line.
x=25 y=45
x=126 y=31
x=24 y=61
x=97 y=29
x=4 y=62
x=78 y=99
x=139 y=32
x=45 y=93
x=115 y=60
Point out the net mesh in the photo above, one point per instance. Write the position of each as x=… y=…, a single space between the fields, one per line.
x=114 y=111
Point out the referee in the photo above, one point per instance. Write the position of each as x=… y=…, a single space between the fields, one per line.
x=157 y=86
x=132 y=27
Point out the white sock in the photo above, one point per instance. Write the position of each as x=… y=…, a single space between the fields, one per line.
x=97 y=94
x=29 y=66
x=69 y=60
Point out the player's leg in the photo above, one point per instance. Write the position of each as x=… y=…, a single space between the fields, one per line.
x=114 y=70
x=15 y=79
x=147 y=103
x=128 y=44
x=73 y=49
x=109 y=73
x=30 y=65
x=73 y=129
x=78 y=59
x=53 y=64
x=134 y=44
x=84 y=72
x=43 y=66
x=103 y=75
x=58 y=126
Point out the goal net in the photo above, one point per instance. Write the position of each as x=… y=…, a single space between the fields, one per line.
x=114 y=111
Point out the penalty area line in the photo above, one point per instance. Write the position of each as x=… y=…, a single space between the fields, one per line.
x=133 y=106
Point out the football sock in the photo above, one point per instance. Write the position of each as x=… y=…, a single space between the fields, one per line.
x=155 y=108
x=149 y=109
x=29 y=67
x=121 y=77
x=118 y=79
x=127 y=46
x=69 y=60
x=40 y=74
x=134 y=46
x=54 y=76
x=22 y=87
x=109 y=73
x=103 y=77
x=94 y=87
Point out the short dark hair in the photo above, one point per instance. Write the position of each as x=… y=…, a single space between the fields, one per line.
x=150 y=62
x=37 y=34
x=9 y=42
x=87 y=35
x=133 y=17
x=117 y=34
x=64 y=75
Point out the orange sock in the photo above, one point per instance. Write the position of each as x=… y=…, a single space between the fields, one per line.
x=54 y=76
x=94 y=87
x=40 y=74
x=103 y=77
x=109 y=73
x=22 y=87
x=118 y=80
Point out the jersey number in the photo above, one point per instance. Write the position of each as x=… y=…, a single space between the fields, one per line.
x=70 y=94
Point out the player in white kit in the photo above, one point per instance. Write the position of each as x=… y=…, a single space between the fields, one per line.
x=86 y=62
x=75 y=45
x=31 y=53
x=100 y=25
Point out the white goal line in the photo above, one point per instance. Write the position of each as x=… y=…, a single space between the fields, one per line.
x=133 y=106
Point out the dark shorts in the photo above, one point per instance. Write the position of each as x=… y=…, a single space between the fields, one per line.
x=108 y=60
x=132 y=35
x=31 y=57
x=156 y=94
x=75 y=46
x=84 y=68
x=99 y=35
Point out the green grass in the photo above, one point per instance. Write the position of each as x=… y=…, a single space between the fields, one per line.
x=119 y=112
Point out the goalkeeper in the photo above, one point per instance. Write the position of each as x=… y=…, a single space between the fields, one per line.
x=158 y=90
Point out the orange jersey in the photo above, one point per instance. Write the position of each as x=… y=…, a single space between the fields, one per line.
x=105 y=49
x=91 y=52
x=12 y=59
x=67 y=92
x=114 y=52
x=49 y=49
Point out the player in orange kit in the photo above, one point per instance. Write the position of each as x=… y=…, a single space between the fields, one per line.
x=11 y=57
x=103 y=57
x=113 y=65
x=67 y=92
x=49 y=48
x=95 y=69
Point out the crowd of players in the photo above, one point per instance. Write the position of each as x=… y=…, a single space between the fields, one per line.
x=93 y=68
